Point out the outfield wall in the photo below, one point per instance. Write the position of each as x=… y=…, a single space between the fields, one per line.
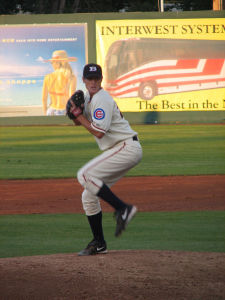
x=149 y=117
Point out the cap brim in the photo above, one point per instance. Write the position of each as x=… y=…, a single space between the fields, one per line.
x=93 y=76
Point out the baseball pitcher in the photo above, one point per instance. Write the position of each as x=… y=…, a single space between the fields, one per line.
x=100 y=115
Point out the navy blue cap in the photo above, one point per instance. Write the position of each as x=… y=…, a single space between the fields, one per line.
x=92 y=71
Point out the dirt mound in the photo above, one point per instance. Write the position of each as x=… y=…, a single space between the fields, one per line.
x=119 y=275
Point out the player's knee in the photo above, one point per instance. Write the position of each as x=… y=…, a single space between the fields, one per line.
x=89 y=182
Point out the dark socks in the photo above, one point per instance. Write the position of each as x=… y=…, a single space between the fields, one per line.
x=95 y=222
x=107 y=195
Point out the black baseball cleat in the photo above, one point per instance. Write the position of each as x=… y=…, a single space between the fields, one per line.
x=94 y=247
x=123 y=217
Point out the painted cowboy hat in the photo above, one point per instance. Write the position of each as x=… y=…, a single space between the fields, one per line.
x=60 y=55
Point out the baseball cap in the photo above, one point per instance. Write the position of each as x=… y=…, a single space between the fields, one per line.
x=92 y=71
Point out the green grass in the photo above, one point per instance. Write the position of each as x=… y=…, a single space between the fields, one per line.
x=22 y=235
x=59 y=151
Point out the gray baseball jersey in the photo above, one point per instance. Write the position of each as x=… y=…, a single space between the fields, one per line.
x=105 y=116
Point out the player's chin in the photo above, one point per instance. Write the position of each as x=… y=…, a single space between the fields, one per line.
x=94 y=89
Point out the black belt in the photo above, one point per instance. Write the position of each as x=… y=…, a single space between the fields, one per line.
x=135 y=138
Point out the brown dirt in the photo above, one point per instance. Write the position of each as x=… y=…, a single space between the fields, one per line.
x=119 y=274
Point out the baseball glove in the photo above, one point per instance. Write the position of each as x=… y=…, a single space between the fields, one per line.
x=75 y=105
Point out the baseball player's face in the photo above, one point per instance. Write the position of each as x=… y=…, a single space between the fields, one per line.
x=92 y=85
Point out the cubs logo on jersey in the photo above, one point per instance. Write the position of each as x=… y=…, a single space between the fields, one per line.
x=99 y=114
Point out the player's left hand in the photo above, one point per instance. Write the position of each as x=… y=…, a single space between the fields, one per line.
x=75 y=105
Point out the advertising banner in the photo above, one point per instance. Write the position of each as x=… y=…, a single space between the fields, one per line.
x=163 y=64
x=40 y=67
